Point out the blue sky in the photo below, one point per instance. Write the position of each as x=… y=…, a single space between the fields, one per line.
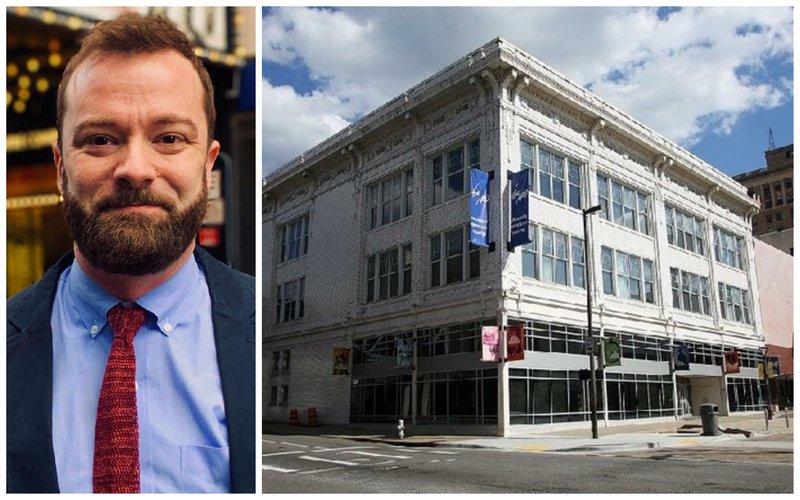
x=713 y=80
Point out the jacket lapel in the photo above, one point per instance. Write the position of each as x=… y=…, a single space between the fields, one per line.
x=233 y=313
x=31 y=465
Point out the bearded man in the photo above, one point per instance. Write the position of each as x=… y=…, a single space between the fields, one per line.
x=131 y=364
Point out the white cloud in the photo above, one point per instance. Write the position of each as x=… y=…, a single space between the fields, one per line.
x=684 y=77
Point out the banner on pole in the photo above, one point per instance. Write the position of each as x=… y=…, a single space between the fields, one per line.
x=405 y=353
x=515 y=343
x=680 y=357
x=519 y=209
x=490 y=339
x=611 y=352
x=341 y=361
x=732 y=362
x=479 y=210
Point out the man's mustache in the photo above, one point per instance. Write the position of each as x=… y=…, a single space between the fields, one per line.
x=134 y=197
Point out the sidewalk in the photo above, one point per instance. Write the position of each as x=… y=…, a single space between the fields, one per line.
x=635 y=436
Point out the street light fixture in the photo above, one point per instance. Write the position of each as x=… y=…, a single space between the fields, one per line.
x=591 y=351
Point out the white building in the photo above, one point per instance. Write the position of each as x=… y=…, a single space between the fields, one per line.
x=366 y=241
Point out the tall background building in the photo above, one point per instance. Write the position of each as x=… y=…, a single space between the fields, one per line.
x=773 y=187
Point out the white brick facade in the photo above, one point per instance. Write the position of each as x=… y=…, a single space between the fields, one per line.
x=498 y=95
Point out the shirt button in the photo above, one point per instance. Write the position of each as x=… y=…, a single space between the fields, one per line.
x=94 y=329
x=167 y=327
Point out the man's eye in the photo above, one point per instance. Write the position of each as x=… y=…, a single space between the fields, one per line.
x=170 y=139
x=98 y=140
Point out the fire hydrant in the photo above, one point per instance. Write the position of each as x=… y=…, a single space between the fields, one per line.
x=401 y=428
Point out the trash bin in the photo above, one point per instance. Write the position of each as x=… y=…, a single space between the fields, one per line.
x=709 y=416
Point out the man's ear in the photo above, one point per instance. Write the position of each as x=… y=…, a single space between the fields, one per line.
x=213 y=152
x=58 y=159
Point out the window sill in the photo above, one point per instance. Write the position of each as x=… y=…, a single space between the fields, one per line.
x=687 y=252
x=625 y=228
x=388 y=224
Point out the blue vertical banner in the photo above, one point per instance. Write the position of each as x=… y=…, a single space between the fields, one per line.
x=519 y=209
x=479 y=210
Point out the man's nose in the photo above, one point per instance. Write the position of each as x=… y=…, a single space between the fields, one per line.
x=136 y=167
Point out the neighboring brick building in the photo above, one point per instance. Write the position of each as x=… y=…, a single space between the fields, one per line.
x=773 y=186
x=366 y=247
x=775 y=271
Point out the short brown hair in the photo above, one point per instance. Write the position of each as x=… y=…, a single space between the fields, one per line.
x=132 y=33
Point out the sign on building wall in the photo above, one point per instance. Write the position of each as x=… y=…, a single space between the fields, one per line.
x=519 y=209
x=732 y=362
x=680 y=357
x=405 y=353
x=515 y=343
x=479 y=209
x=341 y=361
x=490 y=339
x=611 y=352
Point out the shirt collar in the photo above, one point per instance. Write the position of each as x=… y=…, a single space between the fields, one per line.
x=168 y=303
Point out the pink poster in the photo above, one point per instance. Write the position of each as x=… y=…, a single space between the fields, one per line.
x=490 y=338
x=515 y=338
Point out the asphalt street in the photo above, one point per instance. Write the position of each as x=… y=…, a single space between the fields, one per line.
x=317 y=464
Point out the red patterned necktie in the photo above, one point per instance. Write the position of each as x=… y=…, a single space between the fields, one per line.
x=116 y=432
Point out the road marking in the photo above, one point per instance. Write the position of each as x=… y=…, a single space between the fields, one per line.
x=277 y=469
x=318 y=470
x=294 y=444
x=368 y=454
x=435 y=461
x=533 y=447
x=268 y=441
x=277 y=453
x=322 y=450
x=320 y=459
x=444 y=452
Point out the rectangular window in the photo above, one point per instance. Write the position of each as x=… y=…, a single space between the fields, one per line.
x=287 y=356
x=685 y=231
x=273 y=395
x=574 y=185
x=767 y=196
x=384 y=277
x=391 y=199
x=734 y=304
x=284 y=395
x=634 y=276
x=608 y=271
x=552 y=175
x=453 y=257
x=289 y=302
x=690 y=292
x=629 y=207
x=293 y=238
x=450 y=171
x=276 y=362
x=728 y=248
x=530 y=255
x=436 y=260
x=602 y=196
x=562 y=259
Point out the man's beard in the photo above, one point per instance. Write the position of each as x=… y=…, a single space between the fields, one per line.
x=133 y=243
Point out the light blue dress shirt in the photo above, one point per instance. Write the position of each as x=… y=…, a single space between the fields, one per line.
x=183 y=435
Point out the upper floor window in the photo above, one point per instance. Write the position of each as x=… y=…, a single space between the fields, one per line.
x=728 y=248
x=389 y=273
x=634 y=276
x=554 y=257
x=391 y=199
x=450 y=171
x=734 y=303
x=294 y=238
x=623 y=205
x=767 y=196
x=453 y=257
x=685 y=231
x=552 y=175
x=289 y=302
x=690 y=292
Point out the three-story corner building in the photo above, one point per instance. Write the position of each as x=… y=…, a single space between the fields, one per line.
x=374 y=297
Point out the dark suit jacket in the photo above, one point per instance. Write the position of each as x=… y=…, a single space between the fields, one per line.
x=30 y=460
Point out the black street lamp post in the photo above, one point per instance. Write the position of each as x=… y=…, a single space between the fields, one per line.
x=591 y=346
